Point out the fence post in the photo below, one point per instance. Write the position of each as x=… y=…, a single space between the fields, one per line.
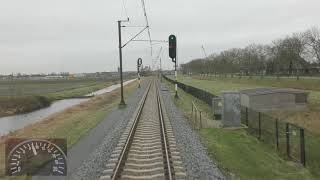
x=259 y=114
x=200 y=121
x=191 y=111
x=195 y=121
x=277 y=134
x=302 y=148
x=288 y=139
x=247 y=117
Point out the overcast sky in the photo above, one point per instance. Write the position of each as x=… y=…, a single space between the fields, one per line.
x=81 y=35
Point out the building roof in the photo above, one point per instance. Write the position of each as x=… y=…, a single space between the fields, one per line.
x=260 y=91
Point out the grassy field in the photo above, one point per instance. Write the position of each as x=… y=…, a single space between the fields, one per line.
x=307 y=118
x=309 y=84
x=70 y=124
x=24 y=96
x=239 y=154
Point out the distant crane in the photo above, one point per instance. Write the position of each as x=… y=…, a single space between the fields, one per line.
x=204 y=51
x=205 y=54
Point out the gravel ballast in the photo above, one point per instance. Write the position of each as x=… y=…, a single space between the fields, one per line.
x=93 y=167
x=88 y=157
x=194 y=156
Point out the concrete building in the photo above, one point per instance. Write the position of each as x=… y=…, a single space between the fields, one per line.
x=266 y=99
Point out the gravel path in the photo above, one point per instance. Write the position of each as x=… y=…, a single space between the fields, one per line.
x=194 y=156
x=87 y=158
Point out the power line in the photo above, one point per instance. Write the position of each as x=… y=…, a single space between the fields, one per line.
x=147 y=24
x=124 y=7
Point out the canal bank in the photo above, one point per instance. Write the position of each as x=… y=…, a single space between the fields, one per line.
x=11 y=123
x=71 y=124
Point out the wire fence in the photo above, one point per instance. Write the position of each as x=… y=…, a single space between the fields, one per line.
x=196 y=116
x=291 y=141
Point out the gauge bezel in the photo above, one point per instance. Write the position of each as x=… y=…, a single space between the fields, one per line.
x=23 y=141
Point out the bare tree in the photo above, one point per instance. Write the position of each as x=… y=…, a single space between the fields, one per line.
x=284 y=56
x=312 y=39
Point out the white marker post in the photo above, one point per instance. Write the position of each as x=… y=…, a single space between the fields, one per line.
x=176 y=78
x=139 y=63
x=139 y=79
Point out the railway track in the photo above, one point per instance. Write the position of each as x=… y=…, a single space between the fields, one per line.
x=147 y=148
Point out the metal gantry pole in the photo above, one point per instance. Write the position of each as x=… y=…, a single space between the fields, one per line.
x=176 y=78
x=139 y=81
x=122 y=103
x=160 y=70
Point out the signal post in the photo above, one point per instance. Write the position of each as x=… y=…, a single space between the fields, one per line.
x=173 y=56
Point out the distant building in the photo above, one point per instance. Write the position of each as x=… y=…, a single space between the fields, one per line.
x=53 y=77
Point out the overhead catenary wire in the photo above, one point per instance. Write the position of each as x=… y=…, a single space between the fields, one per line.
x=145 y=27
x=125 y=8
x=147 y=24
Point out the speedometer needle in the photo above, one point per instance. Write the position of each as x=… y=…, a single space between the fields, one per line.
x=34 y=149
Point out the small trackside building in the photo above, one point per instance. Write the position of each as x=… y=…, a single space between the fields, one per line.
x=268 y=99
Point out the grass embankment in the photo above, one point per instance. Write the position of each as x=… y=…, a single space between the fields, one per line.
x=24 y=96
x=70 y=124
x=304 y=83
x=307 y=118
x=239 y=154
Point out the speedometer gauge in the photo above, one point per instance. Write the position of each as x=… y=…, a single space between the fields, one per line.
x=36 y=157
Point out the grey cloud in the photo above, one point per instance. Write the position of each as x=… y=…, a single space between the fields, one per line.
x=81 y=35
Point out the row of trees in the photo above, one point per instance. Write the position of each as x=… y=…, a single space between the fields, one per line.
x=296 y=53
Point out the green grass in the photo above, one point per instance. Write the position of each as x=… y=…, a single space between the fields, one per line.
x=218 y=84
x=71 y=124
x=44 y=87
x=248 y=158
x=24 y=96
x=239 y=154
x=185 y=101
x=76 y=124
x=307 y=118
x=307 y=83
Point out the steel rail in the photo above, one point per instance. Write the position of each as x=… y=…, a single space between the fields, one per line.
x=124 y=151
x=164 y=137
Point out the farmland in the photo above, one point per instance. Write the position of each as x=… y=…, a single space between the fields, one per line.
x=232 y=148
x=20 y=96
x=72 y=124
x=307 y=118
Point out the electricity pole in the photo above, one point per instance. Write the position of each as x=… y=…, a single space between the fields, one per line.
x=122 y=103
x=159 y=57
x=160 y=70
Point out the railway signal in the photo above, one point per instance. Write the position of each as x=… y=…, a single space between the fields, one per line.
x=173 y=56
x=139 y=63
x=172 y=47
